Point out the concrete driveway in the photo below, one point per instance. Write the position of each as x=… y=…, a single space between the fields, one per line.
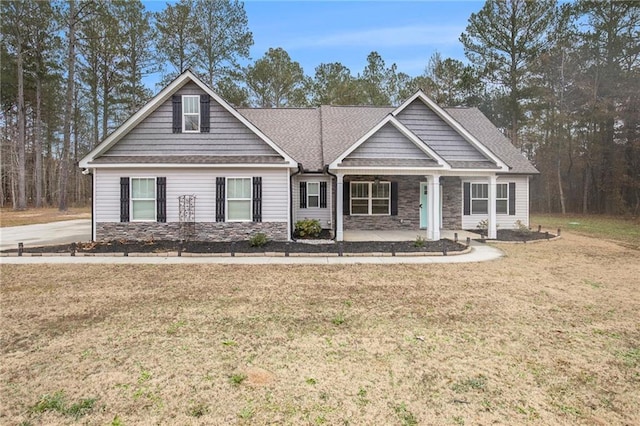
x=46 y=234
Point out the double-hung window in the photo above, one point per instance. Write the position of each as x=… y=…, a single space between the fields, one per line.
x=190 y=113
x=370 y=198
x=238 y=199
x=479 y=198
x=313 y=194
x=502 y=198
x=143 y=199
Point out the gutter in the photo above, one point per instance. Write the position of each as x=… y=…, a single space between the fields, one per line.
x=93 y=222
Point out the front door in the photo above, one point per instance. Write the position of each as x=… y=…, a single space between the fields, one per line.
x=423 y=205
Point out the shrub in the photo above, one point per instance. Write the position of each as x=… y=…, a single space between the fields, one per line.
x=483 y=225
x=258 y=240
x=521 y=229
x=308 y=228
x=419 y=242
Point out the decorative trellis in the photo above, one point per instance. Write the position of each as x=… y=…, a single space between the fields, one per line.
x=187 y=214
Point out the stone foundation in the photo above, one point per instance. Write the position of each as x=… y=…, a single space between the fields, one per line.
x=201 y=231
x=409 y=205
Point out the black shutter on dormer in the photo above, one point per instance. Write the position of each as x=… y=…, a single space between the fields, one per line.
x=205 y=101
x=323 y=195
x=512 y=198
x=303 y=195
x=124 y=199
x=257 y=199
x=176 y=101
x=467 y=198
x=220 y=187
x=394 y=198
x=346 y=198
x=161 y=199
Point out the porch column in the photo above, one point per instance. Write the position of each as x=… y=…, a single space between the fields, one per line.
x=492 y=230
x=339 y=206
x=434 y=219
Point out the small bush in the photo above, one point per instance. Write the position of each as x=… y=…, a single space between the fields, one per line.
x=483 y=226
x=237 y=378
x=521 y=229
x=419 y=242
x=308 y=228
x=258 y=240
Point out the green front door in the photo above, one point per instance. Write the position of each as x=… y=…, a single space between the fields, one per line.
x=423 y=205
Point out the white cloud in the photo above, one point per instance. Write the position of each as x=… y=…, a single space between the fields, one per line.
x=403 y=36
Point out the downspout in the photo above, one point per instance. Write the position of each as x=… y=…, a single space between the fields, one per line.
x=334 y=215
x=291 y=225
x=93 y=224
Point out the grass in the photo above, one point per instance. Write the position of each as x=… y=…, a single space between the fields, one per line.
x=625 y=230
x=546 y=335
x=10 y=217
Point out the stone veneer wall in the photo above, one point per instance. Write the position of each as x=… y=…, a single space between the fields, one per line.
x=204 y=231
x=409 y=205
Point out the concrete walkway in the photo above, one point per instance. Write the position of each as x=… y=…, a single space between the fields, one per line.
x=479 y=253
x=46 y=234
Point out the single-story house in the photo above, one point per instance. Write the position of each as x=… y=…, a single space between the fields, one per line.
x=190 y=161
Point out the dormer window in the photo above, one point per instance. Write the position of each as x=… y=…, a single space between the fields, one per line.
x=190 y=113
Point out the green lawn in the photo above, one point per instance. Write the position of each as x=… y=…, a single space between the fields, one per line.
x=621 y=229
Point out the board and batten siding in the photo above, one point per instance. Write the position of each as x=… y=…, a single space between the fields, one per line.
x=388 y=142
x=198 y=182
x=436 y=133
x=154 y=135
x=321 y=214
x=504 y=221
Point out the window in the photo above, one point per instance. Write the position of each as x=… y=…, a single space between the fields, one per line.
x=502 y=198
x=191 y=113
x=143 y=199
x=370 y=198
x=479 y=198
x=313 y=194
x=238 y=199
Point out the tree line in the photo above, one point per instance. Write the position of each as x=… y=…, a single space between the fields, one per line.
x=561 y=80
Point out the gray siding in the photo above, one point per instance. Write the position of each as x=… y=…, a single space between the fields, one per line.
x=154 y=135
x=436 y=133
x=504 y=221
x=388 y=142
x=322 y=214
x=201 y=183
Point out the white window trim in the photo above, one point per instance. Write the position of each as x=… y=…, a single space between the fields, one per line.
x=472 y=199
x=313 y=195
x=184 y=130
x=370 y=199
x=226 y=199
x=502 y=199
x=154 y=199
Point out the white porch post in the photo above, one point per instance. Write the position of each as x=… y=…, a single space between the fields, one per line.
x=492 y=229
x=434 y=219
x=339 y=207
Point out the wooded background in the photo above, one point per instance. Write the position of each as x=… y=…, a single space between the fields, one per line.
x=561 y=80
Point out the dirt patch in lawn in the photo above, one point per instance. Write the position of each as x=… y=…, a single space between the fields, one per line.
x=548 y=334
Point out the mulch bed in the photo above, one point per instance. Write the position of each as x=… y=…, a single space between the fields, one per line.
x=244 y=247
x=517 y=235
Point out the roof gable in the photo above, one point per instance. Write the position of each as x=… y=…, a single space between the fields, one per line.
x=259 y=143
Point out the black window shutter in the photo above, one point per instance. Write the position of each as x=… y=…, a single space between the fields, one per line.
x=394 y=198
x=161 y=199
x=346 y=198
x=204 y=113
x=124 y=199
x=512 y=198
x=467 y=198
x=303 y=195
x=177 y=113
x=220 y=187
x=323 y=195
x=257 y=199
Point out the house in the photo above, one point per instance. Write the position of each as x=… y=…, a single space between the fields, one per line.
x=190 y=162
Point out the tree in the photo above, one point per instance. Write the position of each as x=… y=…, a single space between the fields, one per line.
x=276 y=81
x=333 y=85
x=449 y=82
x=503 y=40
x=222 y=36
x=374 y=81
x=176 y=38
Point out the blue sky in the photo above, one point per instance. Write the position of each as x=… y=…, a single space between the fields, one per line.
x=313 y=32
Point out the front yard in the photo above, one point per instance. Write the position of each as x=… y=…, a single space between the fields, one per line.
x=549 y=334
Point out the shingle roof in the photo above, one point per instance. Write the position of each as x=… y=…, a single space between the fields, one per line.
x=318 y=136
x=188 y=159
x=479 y=126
